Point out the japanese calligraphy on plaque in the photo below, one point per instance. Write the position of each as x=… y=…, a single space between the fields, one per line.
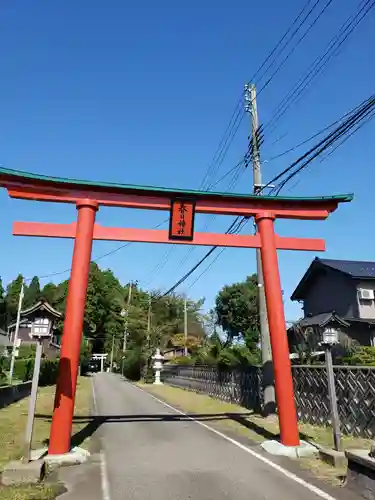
x=181 y=224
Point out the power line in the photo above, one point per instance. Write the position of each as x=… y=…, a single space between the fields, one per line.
x=207 y=268
x=233 y=228
x=360 y=113
x=255 y=75
x=247 y=158
x=317 y=134
x=107 y=254
x=332 y=50
x=229 y=133
x=237 y=172
x=366 y=112
x=299 y=41
x=309 y=166
x=224 y=143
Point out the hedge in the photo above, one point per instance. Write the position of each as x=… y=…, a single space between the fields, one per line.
x=24 y=368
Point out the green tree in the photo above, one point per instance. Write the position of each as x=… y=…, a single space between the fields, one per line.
x=48 y=293
x=237 y=312
x=32 y=293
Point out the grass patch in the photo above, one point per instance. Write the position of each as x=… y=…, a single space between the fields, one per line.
x=232 y=417
x=30 y=492
x=12 y=430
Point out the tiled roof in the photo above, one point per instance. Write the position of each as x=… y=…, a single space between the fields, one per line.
x=358 y=269
x=355 y=268
x=17 y=175
x=323 y=320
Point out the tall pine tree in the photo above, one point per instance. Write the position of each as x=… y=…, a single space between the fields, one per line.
x=32 y=293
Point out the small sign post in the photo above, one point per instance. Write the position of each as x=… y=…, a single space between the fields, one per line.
x=181 y=223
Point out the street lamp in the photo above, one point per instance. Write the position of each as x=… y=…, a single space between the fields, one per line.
x=330 y=337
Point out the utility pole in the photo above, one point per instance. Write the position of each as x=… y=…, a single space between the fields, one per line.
x=269 y=404
x=126 y=314
x=112 y=353
x=15 y=338
x=149 y=321
x=185 y=328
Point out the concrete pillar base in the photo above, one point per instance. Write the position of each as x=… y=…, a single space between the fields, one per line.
x=75 y=457
x=303 y=450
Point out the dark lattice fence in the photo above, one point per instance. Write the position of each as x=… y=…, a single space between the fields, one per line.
x=238 y=386
x=355 y=387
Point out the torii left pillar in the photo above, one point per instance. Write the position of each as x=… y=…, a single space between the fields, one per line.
x=72 y=335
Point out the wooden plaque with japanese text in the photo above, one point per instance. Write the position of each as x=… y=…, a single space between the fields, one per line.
x=181 y=222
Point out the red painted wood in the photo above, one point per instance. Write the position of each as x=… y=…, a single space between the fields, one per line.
x=289 y=434
x=43 y=229
x=62 y=419
x=287 y=210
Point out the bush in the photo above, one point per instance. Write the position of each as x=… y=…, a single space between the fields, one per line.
x=48 y=372
x=26 y=351
x=24 y=369
x=132 y=367
x=361 y=356
x=3 y=377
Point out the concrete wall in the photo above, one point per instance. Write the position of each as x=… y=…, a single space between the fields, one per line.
x=11 y=393
x=332 y=291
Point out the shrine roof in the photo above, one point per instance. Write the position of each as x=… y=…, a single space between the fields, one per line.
x=7 y=176
x=41 y=306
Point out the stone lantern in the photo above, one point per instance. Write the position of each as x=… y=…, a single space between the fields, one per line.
x=158 y=366
x=42 y=317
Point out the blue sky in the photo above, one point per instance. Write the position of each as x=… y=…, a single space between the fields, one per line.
x=141 y=93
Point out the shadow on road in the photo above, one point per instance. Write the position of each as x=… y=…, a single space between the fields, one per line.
x=94 y=422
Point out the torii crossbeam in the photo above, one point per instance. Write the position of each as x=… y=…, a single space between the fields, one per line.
x=89 y=196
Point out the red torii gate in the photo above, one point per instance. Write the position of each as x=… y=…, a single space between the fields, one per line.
x=89 y=196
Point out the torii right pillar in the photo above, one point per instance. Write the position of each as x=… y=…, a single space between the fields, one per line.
x=289 y=435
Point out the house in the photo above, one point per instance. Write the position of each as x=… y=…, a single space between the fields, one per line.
x=340 y=292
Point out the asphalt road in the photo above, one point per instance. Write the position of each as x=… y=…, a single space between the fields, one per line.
x=152 y=453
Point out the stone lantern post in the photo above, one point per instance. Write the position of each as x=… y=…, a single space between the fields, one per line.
x=158 y=366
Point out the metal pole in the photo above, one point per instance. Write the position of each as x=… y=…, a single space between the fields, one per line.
x=15 y=338
x=269 y=403
x=32 y=402
x=185 y=328
x=333 y=400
